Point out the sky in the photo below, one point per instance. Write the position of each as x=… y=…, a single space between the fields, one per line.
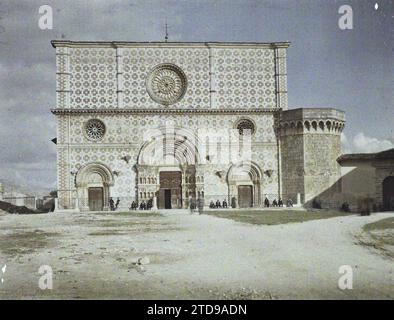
x=352 y=70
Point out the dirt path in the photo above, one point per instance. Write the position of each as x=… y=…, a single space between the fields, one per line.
x=93 y=256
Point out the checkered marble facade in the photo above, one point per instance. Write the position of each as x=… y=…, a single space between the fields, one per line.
x=222 y=83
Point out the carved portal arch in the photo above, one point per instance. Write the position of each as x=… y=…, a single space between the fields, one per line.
x=94 y=180
x=171 y=151
x=241 y=175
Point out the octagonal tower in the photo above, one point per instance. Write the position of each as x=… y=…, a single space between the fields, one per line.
x=310 y=143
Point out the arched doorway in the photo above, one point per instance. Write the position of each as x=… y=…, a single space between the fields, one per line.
x=93 y=181
x=388 y=193
x=170 y=192
x=169 y=159
x=244 y=182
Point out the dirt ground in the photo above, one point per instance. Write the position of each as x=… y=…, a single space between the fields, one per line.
x=95 y=256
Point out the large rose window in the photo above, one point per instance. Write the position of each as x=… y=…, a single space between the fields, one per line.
x=166 y=84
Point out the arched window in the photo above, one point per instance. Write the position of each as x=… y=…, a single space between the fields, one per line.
x=245 y=125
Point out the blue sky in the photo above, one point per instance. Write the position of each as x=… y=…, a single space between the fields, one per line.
x=352 y=70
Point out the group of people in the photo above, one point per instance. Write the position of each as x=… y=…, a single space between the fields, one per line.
x=112 y=205
x=196 y=204
x=192 y=205
x=279 y=203
x=213 y=205
x=142 y=206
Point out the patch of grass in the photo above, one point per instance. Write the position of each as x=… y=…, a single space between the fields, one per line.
x=25 y=242
x=380 y=236
x=384 y=224
x=275 y=217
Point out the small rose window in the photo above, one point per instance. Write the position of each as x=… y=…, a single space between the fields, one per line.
x=95 y=129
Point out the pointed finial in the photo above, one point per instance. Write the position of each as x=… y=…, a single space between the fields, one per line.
x=166 y=37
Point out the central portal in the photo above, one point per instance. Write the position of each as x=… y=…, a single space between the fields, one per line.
x=170 y=192
x=245 y=194
x=95 y=199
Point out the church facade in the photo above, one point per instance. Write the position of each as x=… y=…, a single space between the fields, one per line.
x=170 y=122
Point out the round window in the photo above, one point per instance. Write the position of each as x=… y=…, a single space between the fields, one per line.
x=95 y=129
x=166 y=84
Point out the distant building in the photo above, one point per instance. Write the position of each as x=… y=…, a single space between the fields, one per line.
x=368 y=175
x=20 y=199
x=10 y=195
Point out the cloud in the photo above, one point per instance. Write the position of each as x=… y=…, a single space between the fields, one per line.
x=362 y=143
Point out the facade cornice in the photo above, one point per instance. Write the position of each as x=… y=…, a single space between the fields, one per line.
x=163 y=111
x=127 y=44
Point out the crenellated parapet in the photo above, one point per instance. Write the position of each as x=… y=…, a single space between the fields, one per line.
x=316 y=120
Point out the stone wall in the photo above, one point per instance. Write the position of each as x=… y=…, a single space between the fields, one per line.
x=322 y=170
x=113 y=75
x=357 y=182
x=292 y=166
x=126 y=134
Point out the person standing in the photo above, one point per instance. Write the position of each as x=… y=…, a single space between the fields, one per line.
x=191 y=204
x=200 y=204
x=111 y=204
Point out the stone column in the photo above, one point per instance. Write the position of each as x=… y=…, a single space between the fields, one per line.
x=63 y=77
x=281 y=78
x=154 y=203
x=119 y=77
x=76 y=203
x=212 y=78
x=299 y=204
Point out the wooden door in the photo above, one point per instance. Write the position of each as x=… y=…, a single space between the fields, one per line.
x=245 y=196
x=96 y=199
x=388 y=193
x=167 y=199
x=170 y=193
